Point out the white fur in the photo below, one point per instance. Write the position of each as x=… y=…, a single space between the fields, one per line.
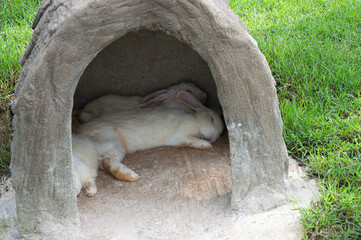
x=108 y=103
x=85 y=160
x=165 y=98
x=116 y=134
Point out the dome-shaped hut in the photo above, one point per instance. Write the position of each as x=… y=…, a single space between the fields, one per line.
x=81 y=50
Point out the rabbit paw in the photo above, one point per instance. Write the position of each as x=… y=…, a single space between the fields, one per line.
x=195 y=143
x=118 y=170
x=204 y=145
x=90 y=189
x=126 y=176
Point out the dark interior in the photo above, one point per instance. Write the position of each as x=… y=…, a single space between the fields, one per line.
x=140 y=63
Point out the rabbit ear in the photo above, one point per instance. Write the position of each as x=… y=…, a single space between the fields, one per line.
x=189 y=100
x=152 y=96
x=156 y=102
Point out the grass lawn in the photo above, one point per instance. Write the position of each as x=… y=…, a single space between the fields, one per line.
x=15 y=32
x=314 y=51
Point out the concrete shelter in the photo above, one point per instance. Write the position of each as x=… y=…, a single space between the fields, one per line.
x=81 y=50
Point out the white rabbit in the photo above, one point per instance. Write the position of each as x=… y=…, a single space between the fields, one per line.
x=165 y=98
x=85 y=160
x=116 y=134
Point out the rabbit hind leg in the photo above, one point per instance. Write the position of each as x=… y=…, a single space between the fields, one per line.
x=118 y=170
x=111 y=162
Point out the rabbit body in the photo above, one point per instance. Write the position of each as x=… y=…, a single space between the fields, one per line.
x=85 y=160
x=149 y=128
x=165 y=98
x=109 y=103
x=116 y=134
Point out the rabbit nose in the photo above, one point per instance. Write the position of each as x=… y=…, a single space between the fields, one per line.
x=210 y=139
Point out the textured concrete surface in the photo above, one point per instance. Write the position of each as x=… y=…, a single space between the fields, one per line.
x=68 y=35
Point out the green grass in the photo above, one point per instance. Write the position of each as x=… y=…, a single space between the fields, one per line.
x=314 y=51
x=15 y=32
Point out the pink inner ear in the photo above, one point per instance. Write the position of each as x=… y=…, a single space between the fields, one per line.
x=151 y=96
x=156 y=103
x=188 y=99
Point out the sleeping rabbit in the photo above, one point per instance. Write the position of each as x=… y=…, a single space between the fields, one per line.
x=119 y=133
x=165 y=98
x=85 y=160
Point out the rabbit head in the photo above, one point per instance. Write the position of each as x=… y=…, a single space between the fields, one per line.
x=210 y=123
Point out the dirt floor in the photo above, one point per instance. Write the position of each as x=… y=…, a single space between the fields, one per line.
x=183 y=193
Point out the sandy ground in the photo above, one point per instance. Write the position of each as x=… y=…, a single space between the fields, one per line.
x=183 y=193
